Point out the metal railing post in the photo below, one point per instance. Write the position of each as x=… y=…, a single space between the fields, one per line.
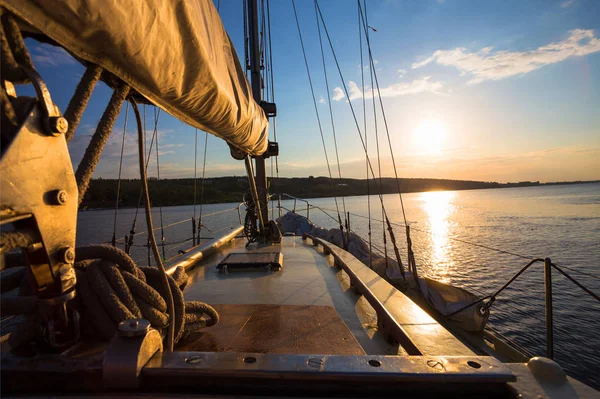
x=549 y=323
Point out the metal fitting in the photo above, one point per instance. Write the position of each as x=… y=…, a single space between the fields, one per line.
x=67 y=255
x=133 y=327
x=58 y=124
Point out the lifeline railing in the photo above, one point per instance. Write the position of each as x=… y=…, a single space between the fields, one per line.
x=296 y=199
x=548 y=266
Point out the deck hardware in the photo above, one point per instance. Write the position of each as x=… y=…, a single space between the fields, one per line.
x=474 y=364
x=252 y=261
x=53 y=122
x=249 y=359
x=315 y=362
x=194 y=359
x=374 y=363
x=67 y=255
x=133 y=327
x=61 y=197
x=128 y=352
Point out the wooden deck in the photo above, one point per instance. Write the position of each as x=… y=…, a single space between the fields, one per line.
x=297 y=297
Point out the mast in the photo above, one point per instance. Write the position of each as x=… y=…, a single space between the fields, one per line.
x=255 y=79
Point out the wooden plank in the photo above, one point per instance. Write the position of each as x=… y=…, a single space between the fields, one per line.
x=294 y=329
x=279 y=329
x=217 y=338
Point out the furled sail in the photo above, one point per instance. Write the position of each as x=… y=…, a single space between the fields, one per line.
x=175 y=53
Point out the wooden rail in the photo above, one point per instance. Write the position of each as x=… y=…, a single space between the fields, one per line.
x=398 y=317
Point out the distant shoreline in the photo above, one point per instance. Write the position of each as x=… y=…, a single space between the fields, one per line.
x=102 y=193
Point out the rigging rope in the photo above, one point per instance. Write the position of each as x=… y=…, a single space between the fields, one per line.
x=162 y=230
x=114 y=236
x=372 y=63
x=391 y=232
x=337 y=156
x=195 y=179
x=163 y=274
x=137 y=209
x=200 y=225
x=362 y=82
x=376 y=141
x=316 y=107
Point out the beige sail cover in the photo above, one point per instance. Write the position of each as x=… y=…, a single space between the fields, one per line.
x=175 y=53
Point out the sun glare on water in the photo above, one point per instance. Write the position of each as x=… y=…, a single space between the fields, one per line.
x=429 y=136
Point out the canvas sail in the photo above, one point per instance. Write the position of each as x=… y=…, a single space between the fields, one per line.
x=175 y=53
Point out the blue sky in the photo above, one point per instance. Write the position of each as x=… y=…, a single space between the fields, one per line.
x=479 y=90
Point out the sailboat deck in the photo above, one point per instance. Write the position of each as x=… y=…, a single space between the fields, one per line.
x=307 y=307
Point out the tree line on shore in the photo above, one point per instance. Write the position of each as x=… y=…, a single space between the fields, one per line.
x=102 y=193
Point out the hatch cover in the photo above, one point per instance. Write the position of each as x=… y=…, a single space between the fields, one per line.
x=248 y=261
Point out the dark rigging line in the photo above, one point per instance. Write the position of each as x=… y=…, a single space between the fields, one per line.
x=337 y=156
x=313 y=95
x=202 y=188
x=362 y=82
x=372 y=63
x=391 y=231
x=139 y=203
x=349 y=102
x=376 y=141
x=151 y=238
x=195 y=180
x=162 y=230
x=114 y=236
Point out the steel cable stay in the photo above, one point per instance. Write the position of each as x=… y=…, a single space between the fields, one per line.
x=195 y=180
x=162 y=230
x=337 y=155
x=132 y=233
x=114 y=236
x=364 y=106
x=184 y=221
x=370 y=166
x=317 y=111
x=372 y=67
x=375 y=126
x=200 y=225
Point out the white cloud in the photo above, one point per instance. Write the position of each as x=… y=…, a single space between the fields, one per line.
x=423 y=85
x=401 y=73
x=488 y=65
x=48 y=55
x=322 y=100
x=338 y=94
x=567 y=3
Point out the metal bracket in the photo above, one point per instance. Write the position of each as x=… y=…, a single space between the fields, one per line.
x=52 y=120
x=128 y=352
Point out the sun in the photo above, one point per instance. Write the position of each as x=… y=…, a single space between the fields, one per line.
x=429 y=136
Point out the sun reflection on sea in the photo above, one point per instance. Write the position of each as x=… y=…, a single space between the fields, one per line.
x=438 y=206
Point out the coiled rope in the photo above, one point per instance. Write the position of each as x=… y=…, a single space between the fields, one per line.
x=114 y=289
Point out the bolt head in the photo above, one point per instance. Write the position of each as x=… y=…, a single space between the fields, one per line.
x=68 y=255
x=133 y=327
x=58 y=124
x=61 y=197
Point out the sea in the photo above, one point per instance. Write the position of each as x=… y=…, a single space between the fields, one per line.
x=475 y=239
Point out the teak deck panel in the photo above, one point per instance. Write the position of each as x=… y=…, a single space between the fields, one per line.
x=309 y=278
x=277 y=329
